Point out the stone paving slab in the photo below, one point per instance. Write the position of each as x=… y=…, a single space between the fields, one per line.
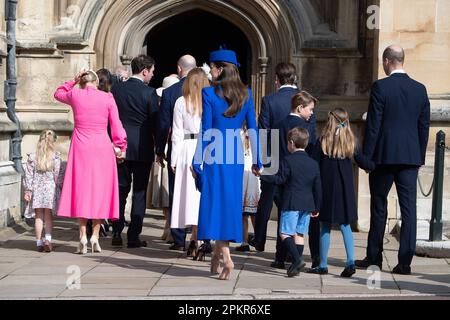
x=158 y=273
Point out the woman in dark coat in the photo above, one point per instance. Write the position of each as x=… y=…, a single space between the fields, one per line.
x=334 y=151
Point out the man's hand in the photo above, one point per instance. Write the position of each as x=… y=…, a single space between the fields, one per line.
x=78 y=76
x=314 y=214
x=160 y=159
x=174 y=169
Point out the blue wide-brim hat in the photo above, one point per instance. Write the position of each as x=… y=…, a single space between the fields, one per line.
x=224 y=56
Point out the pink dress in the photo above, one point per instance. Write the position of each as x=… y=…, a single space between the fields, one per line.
x=91 y=188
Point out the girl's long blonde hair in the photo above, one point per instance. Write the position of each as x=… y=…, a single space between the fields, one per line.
x=45 y=150
x=338 y=140
x=192 y=90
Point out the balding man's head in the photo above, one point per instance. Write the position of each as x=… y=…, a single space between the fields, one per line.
x=394 y=54
x=393 y=59
x=185 y=64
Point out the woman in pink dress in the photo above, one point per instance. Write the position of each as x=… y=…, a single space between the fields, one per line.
x=91 y=189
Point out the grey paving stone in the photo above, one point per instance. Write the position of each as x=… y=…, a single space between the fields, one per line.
x=104 y=292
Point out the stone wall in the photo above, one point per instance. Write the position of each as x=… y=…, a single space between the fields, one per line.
x=10 y=180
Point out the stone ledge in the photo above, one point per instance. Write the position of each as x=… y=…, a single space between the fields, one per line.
x=433 y=249
x=7 y=126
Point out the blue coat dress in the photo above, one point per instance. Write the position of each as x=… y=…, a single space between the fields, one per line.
x=220 y=167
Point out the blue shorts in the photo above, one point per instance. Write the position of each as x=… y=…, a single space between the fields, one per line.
x=293 y=222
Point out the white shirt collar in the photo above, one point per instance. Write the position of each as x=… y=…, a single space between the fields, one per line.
x=288 y=86
x=397 y=71
x=296 y=115
x=136 y=77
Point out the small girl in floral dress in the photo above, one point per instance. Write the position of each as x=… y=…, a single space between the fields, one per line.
x=42 y=184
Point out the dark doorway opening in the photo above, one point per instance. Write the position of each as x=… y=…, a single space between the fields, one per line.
x=195 y=32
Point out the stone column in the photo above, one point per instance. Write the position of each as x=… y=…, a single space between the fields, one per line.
x=262 y=76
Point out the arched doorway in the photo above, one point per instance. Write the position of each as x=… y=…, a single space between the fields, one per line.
x=122 y=33
x=191 y=32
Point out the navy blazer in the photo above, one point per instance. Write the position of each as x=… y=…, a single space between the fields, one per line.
x=168 y=99
x=398 y=121
x=275 y=107
x=138 y=110
x=300 y=177
x=291 y=122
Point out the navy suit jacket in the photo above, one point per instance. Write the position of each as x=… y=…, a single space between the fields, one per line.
x=302 y=187
x=168 y=99
x=275 y=107
x=290 y=122
x=138 y=110
x=398 y=121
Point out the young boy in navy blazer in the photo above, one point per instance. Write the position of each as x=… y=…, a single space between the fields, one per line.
x=302 y=196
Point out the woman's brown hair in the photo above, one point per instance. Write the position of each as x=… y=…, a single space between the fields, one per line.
x=229 y=86
x=192 y=90
x=338 y=140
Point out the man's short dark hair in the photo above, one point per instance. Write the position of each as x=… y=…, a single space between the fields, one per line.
x=299 y=136
x=141 y=62
x=394 y=55
x=286 y=73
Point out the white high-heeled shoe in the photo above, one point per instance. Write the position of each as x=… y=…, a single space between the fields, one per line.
x=82 y=246
x=95 y=246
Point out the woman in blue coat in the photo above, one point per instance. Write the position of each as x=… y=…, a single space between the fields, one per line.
x=219 y=160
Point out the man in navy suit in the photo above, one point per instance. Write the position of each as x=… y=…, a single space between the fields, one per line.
x=396 y=139
x=275 y=108
x=170 y=95
x=138 y=105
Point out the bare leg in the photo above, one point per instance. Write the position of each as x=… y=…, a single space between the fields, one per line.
x=96 y=224
x=244 y=229
x=227 y=261
x=39 y=223
x=215 y=260
x=166 y=231
x=48 y=222
x=194 y=233
x=82 y=224
x=299 y=239
x=253 y=218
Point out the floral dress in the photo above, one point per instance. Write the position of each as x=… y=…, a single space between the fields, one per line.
x=44 y=186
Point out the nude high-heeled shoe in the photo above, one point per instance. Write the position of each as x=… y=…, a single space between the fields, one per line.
x=95 y=246
x=82 y=246
x=226 y=272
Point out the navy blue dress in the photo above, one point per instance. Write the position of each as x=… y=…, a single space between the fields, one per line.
x=220 y=213
x=338 y=188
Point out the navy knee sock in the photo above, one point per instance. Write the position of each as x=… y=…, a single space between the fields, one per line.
x=300 y=249
x=289 y=243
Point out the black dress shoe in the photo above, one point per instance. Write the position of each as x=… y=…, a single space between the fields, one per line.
x=178 y=247
x=117 y=241
x=364 y=264
x=243 y=248
x=318 y=270
x=295 y=268
x=137 y=244
x=401 y=269
x=255 y=245
x=348 y=271
x=278 y=265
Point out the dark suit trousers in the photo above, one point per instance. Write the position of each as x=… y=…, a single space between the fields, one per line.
x=266 y=199
x=178 y=235
x=136 y=173
x=380 y=182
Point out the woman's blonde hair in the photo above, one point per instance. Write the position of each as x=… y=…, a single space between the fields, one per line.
x=192 y=90
x=45 y=150
x=88 y=77
x=338 y=140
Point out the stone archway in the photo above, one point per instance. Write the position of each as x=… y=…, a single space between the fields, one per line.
x=122 y=32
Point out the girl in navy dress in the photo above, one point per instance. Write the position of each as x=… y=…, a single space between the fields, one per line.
x=334 y=151
x=219 y=160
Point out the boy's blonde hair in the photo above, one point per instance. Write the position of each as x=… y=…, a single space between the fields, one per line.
x=45 y=150
x=338 y=140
